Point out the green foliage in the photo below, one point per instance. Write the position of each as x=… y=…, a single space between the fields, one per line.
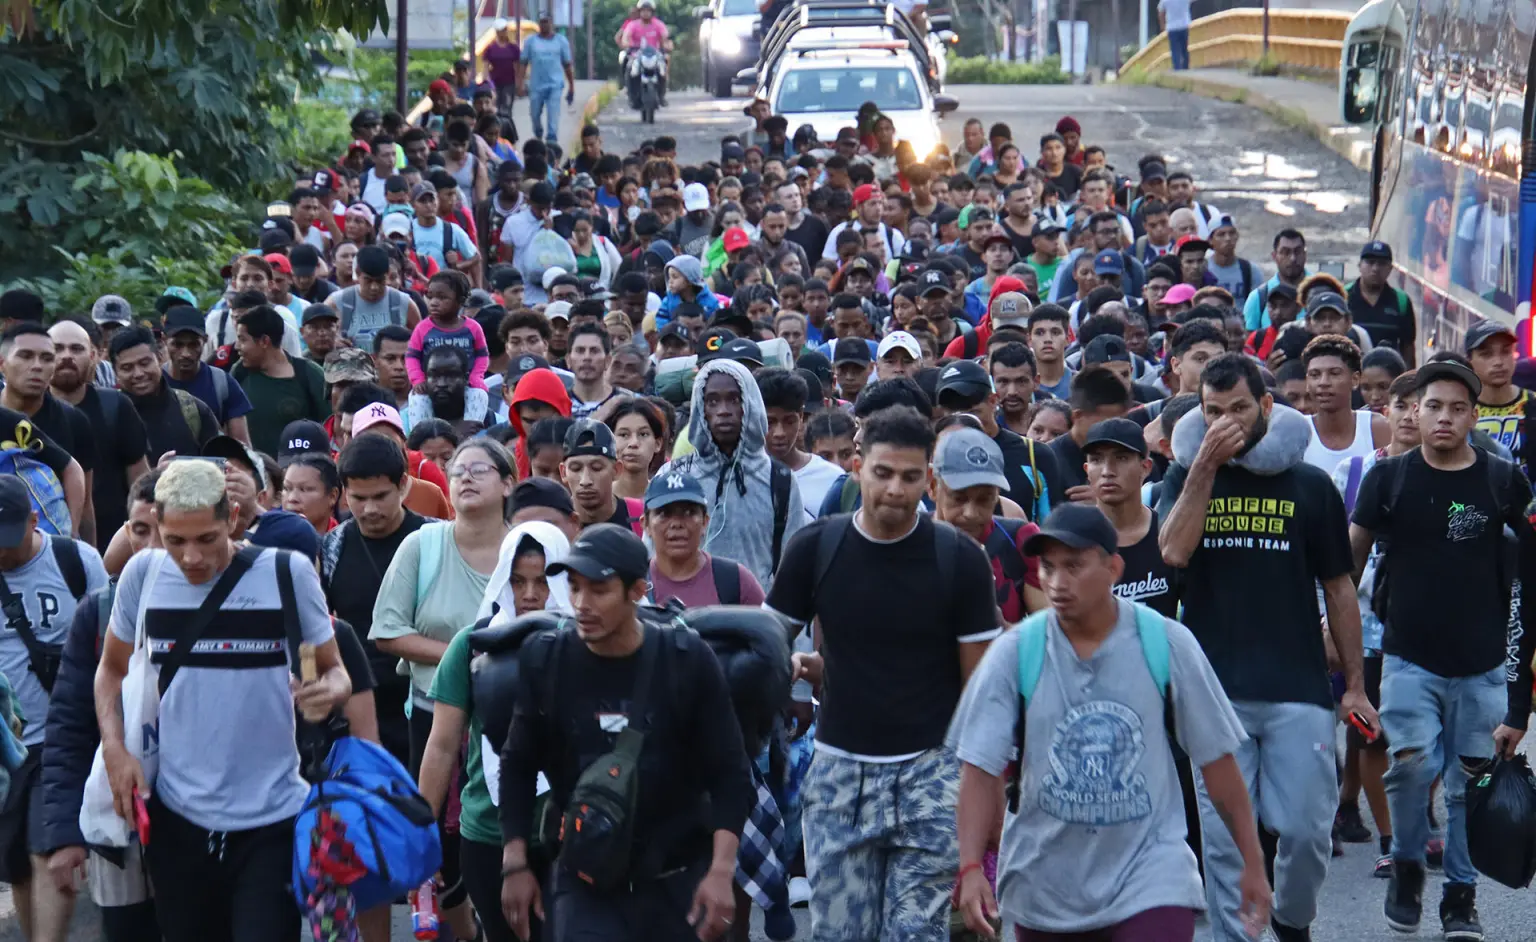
x=375 y=73
x=88 y=276
x=1266 y=65
x=609 y=15
x=983 y=71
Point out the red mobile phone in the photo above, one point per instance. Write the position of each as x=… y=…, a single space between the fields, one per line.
x=141 y=818
x=1359 y=723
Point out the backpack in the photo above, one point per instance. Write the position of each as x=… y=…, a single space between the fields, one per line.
x=727 y=576
x=43 y=658
x=1041 y=507
x=189 y=412
x=44 y=488
x=1003 y=545
x=781 y=481
x=1153 y=632
x=346 y=306
x=1247 y=269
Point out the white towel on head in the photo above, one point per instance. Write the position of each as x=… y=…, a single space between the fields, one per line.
x=498 y=592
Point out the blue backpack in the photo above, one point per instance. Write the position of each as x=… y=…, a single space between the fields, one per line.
x=1032 y=638
x=390 y=825
x=42 y=485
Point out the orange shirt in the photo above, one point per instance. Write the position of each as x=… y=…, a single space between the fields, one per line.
x=427 y=499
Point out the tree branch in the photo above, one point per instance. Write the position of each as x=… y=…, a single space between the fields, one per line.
x=39 y=142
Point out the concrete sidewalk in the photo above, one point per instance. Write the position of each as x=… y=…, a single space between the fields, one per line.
x=571 y=116
x=1312 y=106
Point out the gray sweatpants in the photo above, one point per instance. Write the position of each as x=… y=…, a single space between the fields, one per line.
x=1287 y=762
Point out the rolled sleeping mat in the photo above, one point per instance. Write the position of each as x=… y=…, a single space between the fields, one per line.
x=493 y=669
x=753 y=650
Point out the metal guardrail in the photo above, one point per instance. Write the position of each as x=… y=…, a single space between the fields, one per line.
x=1308 y=39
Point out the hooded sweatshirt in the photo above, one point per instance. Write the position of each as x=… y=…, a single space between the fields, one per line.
x=739 y=486
x=1003 y=284
x=1274 y=527
x=539 y=385
x=691 y=269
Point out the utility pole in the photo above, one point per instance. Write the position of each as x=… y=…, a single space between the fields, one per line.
x=473 y=56
x=590 y=62
x=401 y=56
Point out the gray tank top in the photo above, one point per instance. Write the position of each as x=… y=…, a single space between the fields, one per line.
x=465 y=175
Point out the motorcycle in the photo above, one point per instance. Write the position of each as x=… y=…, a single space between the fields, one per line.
x=645 y=70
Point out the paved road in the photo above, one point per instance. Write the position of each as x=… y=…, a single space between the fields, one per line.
x=1267 y=176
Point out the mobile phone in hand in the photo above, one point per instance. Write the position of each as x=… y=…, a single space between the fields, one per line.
x=141 y=818
x=1359 y=723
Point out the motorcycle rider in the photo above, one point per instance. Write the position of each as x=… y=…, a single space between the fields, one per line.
x=644 y=29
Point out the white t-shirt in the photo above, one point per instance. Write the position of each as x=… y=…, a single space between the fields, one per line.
x=814 y=479
x=1176 y=13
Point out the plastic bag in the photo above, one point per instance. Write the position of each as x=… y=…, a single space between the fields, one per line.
x=545 y=251
x=1501 y=822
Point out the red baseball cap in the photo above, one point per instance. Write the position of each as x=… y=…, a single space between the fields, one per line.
x=279 y=262
x=361 y=145
x=863 y=193
x=438 y=85
x=735 y=238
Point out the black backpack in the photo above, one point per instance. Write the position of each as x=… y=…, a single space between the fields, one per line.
x=43 y=658
x=1003 y=545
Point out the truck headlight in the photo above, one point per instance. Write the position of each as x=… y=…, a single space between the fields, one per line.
x=725 y=43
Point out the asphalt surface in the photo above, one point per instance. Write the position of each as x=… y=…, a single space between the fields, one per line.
x=1267 y=176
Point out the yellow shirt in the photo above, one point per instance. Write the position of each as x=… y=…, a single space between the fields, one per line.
x=1503 y=423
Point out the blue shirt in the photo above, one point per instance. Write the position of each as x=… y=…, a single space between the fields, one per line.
x=546 y=60
x=235 y=403
x=826 y=348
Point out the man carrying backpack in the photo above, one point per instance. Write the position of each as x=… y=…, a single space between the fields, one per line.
x=1385 y=312
x=1095 y=692
x=632 y=724
x=677 y=517
x=42 y=579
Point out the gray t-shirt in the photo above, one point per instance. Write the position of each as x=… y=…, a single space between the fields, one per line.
x=228 y=761
x=1100 y=832
x=1231 y=278
x=50 y=610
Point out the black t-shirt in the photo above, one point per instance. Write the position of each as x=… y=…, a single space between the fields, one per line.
x=355 y=580
x=1448 y=578
x=1250 y=590
x=810 y=235
x=121 y=442
x=621 y=515
x=50 y=454
x=972 y=258
x=1068 y=182
x=68 y=427
x=1023 y=242
x=1147 y=579
x=1390 y=321
x=890 y=642
x=353 y=657
x=1069 y=462
x=167 y=426
x=1017 y=467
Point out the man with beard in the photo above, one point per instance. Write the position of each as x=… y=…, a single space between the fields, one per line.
x=804 y=229
x=389 y=346
x=587 y=356
x=185 y=338
x=118 y=431
x=1035 y=479
x=449 y=396
x=28 y=357
x=774 y=228
x=1290 y=255
x=1012 y=367
x=587 y=468
x=1246 y=518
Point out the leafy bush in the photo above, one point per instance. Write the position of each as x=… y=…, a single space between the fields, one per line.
x=88 y=276
x=983 y=71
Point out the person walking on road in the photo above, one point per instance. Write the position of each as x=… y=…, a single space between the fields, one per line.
x=547 y=68
x=1174 y=17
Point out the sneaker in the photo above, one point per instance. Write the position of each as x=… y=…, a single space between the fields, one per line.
x=1349 y=826
x=1458 y=914
x=1285 y=933
x=1405 y=896
x=1383 y=867
x=1434 y=853
x=799 y=891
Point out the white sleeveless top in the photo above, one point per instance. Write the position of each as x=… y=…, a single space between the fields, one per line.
x=1321 y=456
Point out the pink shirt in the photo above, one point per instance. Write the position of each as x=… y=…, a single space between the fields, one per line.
x=641 y=33
x=700 y=590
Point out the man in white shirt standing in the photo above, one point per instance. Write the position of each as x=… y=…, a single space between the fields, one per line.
x=1173 y=15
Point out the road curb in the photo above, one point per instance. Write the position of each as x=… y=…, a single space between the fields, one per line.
x=594 y=106
x=1348 y=142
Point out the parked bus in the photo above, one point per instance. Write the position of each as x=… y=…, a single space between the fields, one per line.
x=1448 y=85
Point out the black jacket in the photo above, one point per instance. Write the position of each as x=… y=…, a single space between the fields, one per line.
x=72 y=735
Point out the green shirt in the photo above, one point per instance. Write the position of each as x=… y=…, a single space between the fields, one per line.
x=1045 y=274
x=477 y=820
x=276 y=402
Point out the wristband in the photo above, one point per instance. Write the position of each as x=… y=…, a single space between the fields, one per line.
x=960 y=878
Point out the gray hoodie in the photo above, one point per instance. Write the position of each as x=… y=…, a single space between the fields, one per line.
x=739 y=486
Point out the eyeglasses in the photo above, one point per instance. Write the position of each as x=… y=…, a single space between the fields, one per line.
x=474 y=469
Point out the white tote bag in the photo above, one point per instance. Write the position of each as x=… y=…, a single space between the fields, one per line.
x=99 y=823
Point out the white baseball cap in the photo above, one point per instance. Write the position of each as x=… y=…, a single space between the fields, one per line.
x=1011 y=308
x=902 y=340
x=558 y=310
x=695 y=197
x=395 y=224
x=501 y=24
x=550 y=274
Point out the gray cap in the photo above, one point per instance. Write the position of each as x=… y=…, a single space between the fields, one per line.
x=968 y=458
x=111 y=309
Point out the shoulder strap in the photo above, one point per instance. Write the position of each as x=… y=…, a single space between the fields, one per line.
x=946 y=543
x=346 y=303
x=430 y=549
x=828 y=542
x=189 y=414
x=1247 y=269
x=223 y=326
x=1031 y=660
x=1041 y=505
x=968 y=340
x=283 y=567
x=104 y=599
x=781 y=479
x=549 y=670
x=1352 y=483
x=66 y=554
x=111 y=404
x=1263 y=300
x=220 y=390
x=1154 y=645
x=1401 y=297
x=850 y=494
x=727 y=577
x=193 y=628
x=397 y=302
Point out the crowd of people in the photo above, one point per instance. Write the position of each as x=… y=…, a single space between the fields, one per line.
x=1011 y=448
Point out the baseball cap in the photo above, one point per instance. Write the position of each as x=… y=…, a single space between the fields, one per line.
x=1327 y=300
x=1106 y=348
x=279 y=262
x=1122 y=432
x=394 y=224
x=695 y=197
x=319 y=312
x=1046 y=227
x=814 y=361
x=997 y=238
x=899 y=340
x=1154 y=170
x=1178 y=294
x=735 y=238
x=1190 y=242
x=479 y=298
x=366 y=117
x=349 y=365
x=1108 y=262
x=965 y=378
x=184 y=319
x=732 y=152
x=285 y=529
x=674 y=329
x=933 y=280
x=524 y=365
x=1223 y=222
x=360 y=144
x=502 y=277
x=1376 y=249
x=590 y=437
x=743 y=351
x=968 y=458
x=1451 y=370
x=15 y=510
x=233 y=449
x=303 y=436
x=324 y=180
x=174 y=296
x=1478 y=334
x=273 y=239
x=557 y=310
x=863 y=193
x=1010 y=308
x=1079 y=526
x=376 y=413
x=945 y=215
x=607 y=551
x=850 y=350
x=1282 y=291
x=673 y=488
x=111 y=309
x=711 y=342
x=541 y=492
x=423 y=189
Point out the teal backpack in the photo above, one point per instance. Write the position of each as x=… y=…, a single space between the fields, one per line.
x=43 y=486
x=1032 y=638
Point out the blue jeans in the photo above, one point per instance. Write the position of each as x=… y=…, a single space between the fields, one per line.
x=1178 y=48
x=1436 y=725
x=548 y=101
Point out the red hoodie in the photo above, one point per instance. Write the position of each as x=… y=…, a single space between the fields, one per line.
x=539 y=385
x=956 y=347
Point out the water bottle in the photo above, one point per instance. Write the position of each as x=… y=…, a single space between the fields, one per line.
x=424 y=914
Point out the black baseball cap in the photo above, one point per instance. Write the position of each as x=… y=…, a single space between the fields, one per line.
x=1376 y=249
x=301 y=437
x=672 y=488
x=851 y=350
x=319 y=312
x=590 y=437
x=1122 y=432
x=525 y=364
x=304 y=259
x=674 y=330
x=1325 y=300
x=816 y=362
x=711 y=342
x=1046 y=227
x=965 y=378
x=1447 y=369
x=933 y=280
x=608 y=551
x=541 y=492
x=502 y=276
x=1079 y=526
x=184 y=318
x=1484 y=331
x=15 y=510
x=233 y=449
x=1106 y=348
x=743 y=351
